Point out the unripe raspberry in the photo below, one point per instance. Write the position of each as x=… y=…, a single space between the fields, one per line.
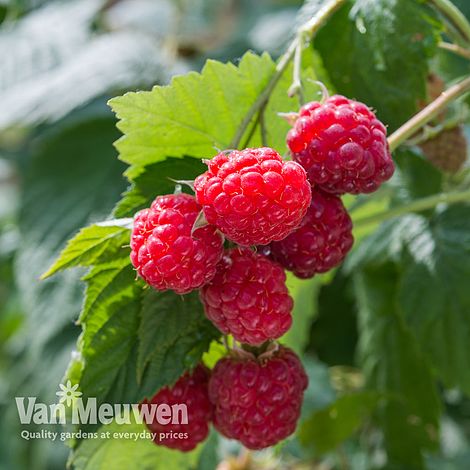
x=248 y=297
x=258 y=401
x=253 y=196
x=447 y=150
x=164 y=251
x=320 y=243
x=190 y=390
x=342 y=146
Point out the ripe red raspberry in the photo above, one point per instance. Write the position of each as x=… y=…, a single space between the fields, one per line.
x=258 y=401
x=320 y=243
x=253 y=196
x=248 y=297
x=342 y=146
x=190 y=390
x=163 y=250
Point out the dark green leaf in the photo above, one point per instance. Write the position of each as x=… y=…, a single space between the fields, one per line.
x=173 y=335
x=325 y=429
x=110 y=319
x=336 y=306
x=395 y=366
x=433 y=292
x=155 y=179
x=377 y=52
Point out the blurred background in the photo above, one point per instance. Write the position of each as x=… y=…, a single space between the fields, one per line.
x=59 y=64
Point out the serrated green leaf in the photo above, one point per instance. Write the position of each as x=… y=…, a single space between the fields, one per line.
x=120 y=453
x=173 y=335
x=377 y=52
x=433 y=292
x=88 y=245
x=394 y=365
x=110 y=319
x=328 y=427
x=195 y=114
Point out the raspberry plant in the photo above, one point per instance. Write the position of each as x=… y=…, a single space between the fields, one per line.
x=270 y=189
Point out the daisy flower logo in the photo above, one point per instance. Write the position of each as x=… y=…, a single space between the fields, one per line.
x=68 y=393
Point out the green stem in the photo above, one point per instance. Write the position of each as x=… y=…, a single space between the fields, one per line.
x=428 y=113
x=308 y=29
x=454 y=16
x=296 y=86
x=416 y=206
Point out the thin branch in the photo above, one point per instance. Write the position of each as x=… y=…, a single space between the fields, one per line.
x=418 y=205
x=262 y=126
x=456 y=49
x=428 y=113
x=296 y=86
x=265 y=94
x=455 y=17
x=308 y=29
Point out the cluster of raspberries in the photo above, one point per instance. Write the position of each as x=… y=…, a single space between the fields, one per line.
x=255 y=400
x=275 y=215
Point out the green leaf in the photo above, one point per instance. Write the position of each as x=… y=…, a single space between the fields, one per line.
x=86 y=248
x=394 y=365
x=336 y=306
x=155 y=179
x=377 y=52
x=119 y=453
x=433 y=292
x=197 y=113
x=173 y=335
x=110 y=320
x=305 y=293
x=415 y=177
x=328 y=427
x=430 y=255
x=59 y=196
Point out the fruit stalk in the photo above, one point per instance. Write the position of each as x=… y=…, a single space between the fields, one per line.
x=428 y=113
x=455 y=48
x=454 y=16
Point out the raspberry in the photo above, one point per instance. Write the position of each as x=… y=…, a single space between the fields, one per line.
x=164 y=251
x=322 y=240
x=190 y=390
x=248 y=297
x=342 y=146
x=257 y=401
x=447 y=150
x=253 y=196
